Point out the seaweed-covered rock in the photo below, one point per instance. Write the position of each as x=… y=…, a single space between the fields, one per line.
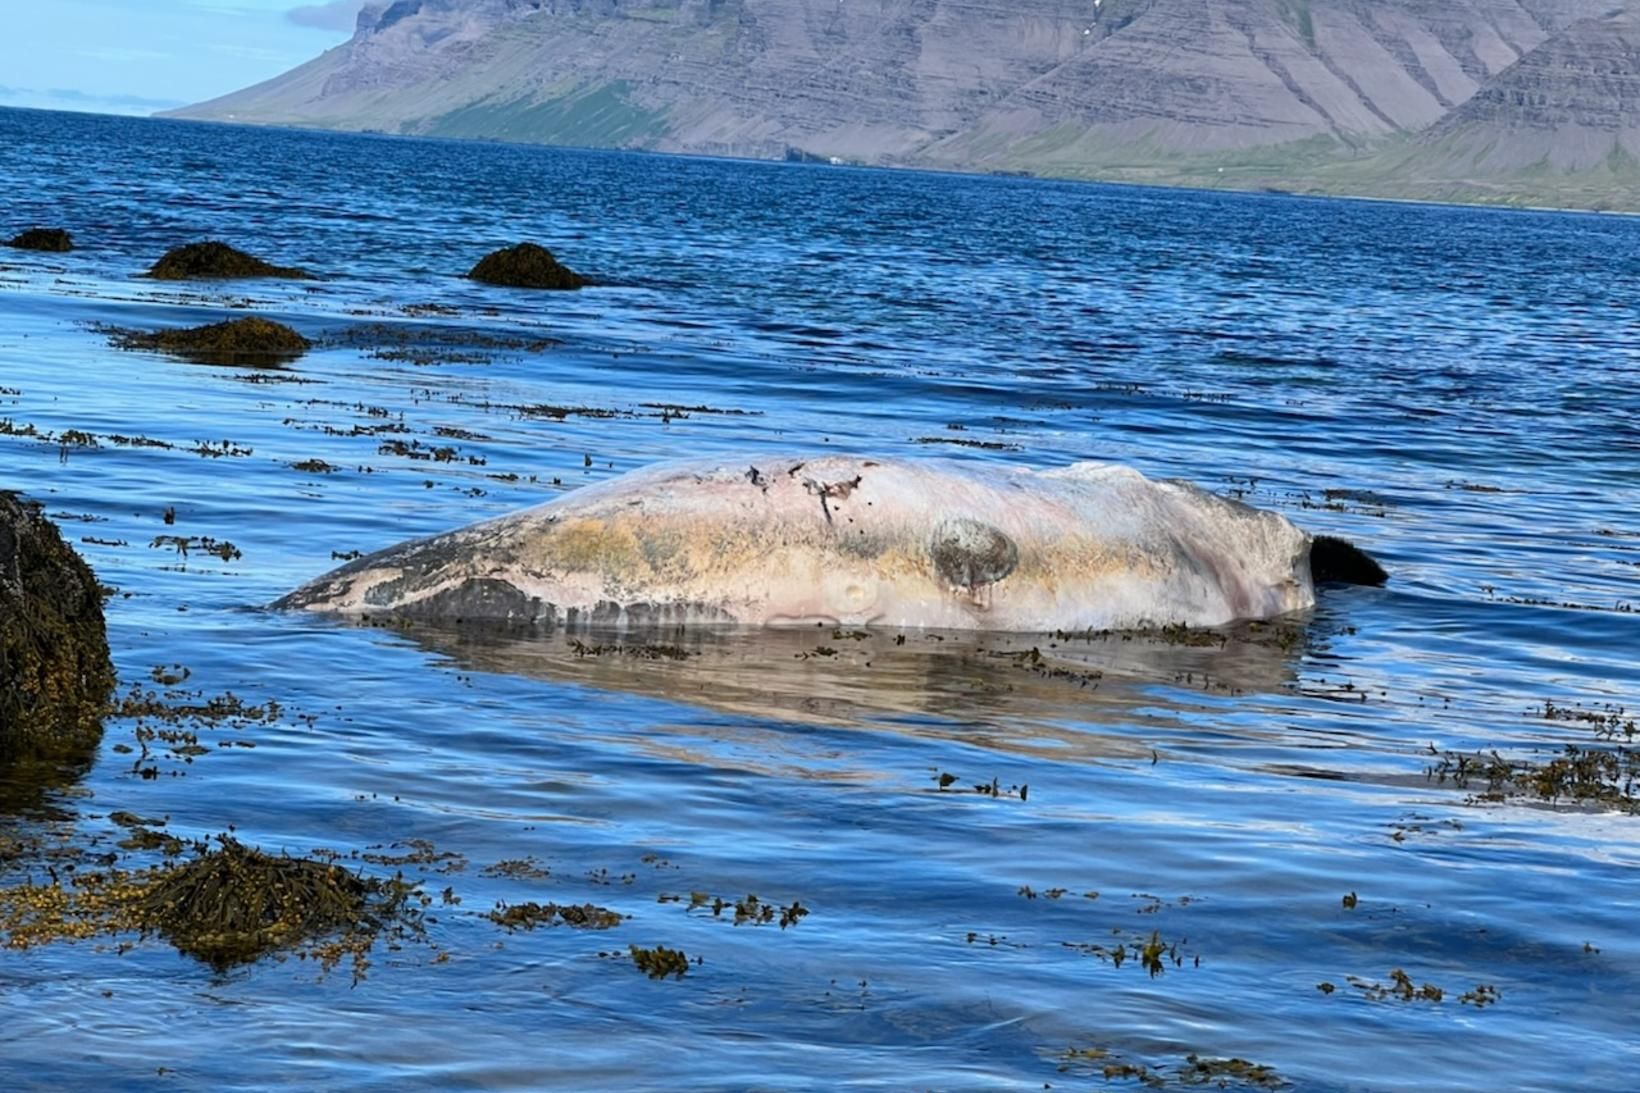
x=250 y=342
x=55 y=240
x=526 y=266
x=217 y=261
x=229 y=905
x=55 y=673
x=236 y=904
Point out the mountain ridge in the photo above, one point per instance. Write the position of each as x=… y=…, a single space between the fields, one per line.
x=1326 y=95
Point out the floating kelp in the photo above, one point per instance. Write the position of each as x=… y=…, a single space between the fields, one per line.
x=660 y=962
x=214 y=261
x=246 y=343
x=146 y=838
x=750 y=911
x=1222 y=1072
x=1194 y=1070
x=527 y=916
x=517 y=869
x=948 y=783
x=52 y=240
x=526 y=266
x=1401 y=987
x=172 y=728
x=1153 y=953
x=1601 y=776
x=203 y=544
x=55 y=672
x=425 y=344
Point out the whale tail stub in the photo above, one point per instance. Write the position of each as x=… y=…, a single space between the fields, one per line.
x=1339 y=561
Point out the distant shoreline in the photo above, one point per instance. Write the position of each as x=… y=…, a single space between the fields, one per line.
x=1304 y=186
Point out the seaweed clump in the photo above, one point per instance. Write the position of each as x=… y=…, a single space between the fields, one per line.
x=1233 y=1073
x=660 y=962
x=218 y=261
x=52 y=240
x=236 y=904
x=249 y=342
x=526 y=266
x=55 y=671
x=749 y=911
x=1221 y=1072
x=527 y=916
x=228 y=906
x=1591 y=776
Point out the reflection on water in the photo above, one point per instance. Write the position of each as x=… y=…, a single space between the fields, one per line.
x=35 y=788
x=1050 y=691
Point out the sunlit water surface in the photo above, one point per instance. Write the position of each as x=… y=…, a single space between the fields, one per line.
x=1454 y=389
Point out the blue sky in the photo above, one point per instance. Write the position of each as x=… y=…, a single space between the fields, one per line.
x=139 y=56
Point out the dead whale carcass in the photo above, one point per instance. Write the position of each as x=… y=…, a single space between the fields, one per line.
x=851 y=541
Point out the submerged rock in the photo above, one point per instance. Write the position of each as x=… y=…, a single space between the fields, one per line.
x=249 y=342
x=55 y=240
x=217 y=261
x=526 y=266
x=55 y=673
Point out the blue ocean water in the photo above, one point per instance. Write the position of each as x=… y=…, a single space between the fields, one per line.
x=1452 y=388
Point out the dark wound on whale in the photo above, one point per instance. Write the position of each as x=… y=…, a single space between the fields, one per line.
x=970 y=554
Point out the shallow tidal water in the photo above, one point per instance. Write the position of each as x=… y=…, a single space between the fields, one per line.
x=1452 y=389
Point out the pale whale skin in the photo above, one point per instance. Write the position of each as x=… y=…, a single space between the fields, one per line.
x=848 y=541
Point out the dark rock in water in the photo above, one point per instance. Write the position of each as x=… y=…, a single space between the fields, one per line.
x=526 y=266
x=249 y=343
x=55 y=673
x=55 y=240
x=1339 y=561
x=217 y=261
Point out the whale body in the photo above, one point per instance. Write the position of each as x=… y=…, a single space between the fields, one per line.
x=851 y=541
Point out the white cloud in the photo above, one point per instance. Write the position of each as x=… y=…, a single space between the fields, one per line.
x=67 y=98
x=255 y=53
x=336 y=15
x=120 y=55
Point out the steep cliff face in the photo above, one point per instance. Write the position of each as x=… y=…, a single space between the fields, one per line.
x=1050 y=85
